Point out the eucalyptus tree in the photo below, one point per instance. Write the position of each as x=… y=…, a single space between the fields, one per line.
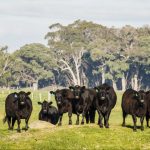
x=69 y=44
x=32 y=63
x=5 y=61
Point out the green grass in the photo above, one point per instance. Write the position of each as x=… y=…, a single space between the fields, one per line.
x=74 y=137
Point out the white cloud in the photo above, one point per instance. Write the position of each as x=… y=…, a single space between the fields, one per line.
x=25 y=21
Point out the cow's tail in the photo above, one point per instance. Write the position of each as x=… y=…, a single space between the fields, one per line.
x=4 y=119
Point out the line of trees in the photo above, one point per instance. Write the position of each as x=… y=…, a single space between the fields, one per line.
x=82 y=53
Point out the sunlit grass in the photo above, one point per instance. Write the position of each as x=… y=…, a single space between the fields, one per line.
x=74 y=137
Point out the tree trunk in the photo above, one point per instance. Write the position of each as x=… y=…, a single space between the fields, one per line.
x=35 y=85
x=70 y=71
x=135 y=82
x=123 y=81
x=77 y=70
x=103 y=76
x=114 y=85
x=132 y=83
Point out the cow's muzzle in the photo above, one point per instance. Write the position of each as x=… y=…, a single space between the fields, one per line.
x=77 y=97
x=22 y=103
x=102 y=98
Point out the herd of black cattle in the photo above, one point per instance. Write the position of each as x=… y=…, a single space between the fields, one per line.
x=79 y=100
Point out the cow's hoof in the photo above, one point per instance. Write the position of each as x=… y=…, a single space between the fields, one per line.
x=134 y=130
x=123 y=125
x=59 y=124
x=10 y=128
x=82 y=123
x=26 y=129
x=142 y=128
x=77 y=122
x=101 y=126
x=107 y=126
x=18 y=130
x=70 y=123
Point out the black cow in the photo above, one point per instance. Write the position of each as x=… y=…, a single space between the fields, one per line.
x=105 y=101
x=18 y=106
x=134 y=103
x=48 y=112
x=85 y=99
x=64 y=103
x=148 y=107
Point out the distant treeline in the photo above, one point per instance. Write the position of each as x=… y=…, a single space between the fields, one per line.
x=81 y=53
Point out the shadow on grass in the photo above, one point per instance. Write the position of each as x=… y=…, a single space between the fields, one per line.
x=131 y=126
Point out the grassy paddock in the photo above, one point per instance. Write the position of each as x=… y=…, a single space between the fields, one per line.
x=73 y=137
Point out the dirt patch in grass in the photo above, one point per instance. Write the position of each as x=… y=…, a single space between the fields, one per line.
x=41 y=125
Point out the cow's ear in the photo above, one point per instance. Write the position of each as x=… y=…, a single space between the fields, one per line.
x=71 y=88
x=50 y=103
x=15 y=94
x=96 y=89
x=28 y=93
x=39 y=103
x=136 y=94
x=108 y=88
x=83 y=89
x=52 y=92
x=147 y=92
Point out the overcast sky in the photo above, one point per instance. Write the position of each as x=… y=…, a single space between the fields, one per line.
x=27 y=21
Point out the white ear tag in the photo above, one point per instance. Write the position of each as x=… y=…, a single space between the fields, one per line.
x=15 y=96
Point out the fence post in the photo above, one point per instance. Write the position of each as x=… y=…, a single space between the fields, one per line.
x=49 y=97
x=40 y=96
x=32 y=95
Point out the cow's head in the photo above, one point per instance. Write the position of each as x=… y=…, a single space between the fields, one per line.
x=45 y=106
x=59 y=96
x=77 y=90
x=102 y=93
x=139 y=96
x=21 y=97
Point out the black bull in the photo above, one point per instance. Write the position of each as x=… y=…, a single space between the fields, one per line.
x=105 y=101
x=66 y=102
x=18 y=106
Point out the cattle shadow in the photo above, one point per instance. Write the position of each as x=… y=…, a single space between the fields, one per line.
x=131 y=126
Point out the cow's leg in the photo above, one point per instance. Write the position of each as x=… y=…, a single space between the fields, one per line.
x=134 y=121
x=83 y=114
x=87 y=117
x=147 y=120
x=26 y=121
x=9 y=122
x=100 y=118
x=70 y=115
x=13 y=122
x=18 y=121
x=92 y=116
x=124 y=117
x=106 y=118
x=60 y=119
x=77 y=122
x=142 y=120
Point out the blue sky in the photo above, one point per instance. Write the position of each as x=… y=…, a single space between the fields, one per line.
x=27 y=21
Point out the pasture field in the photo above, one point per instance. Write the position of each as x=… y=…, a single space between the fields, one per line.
x=86 y=137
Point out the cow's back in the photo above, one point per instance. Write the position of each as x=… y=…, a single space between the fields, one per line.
x=148 y=103
x=53 y=114
x=11 y=105
x=130 y=104
x=127 y=101
x=113 y=97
